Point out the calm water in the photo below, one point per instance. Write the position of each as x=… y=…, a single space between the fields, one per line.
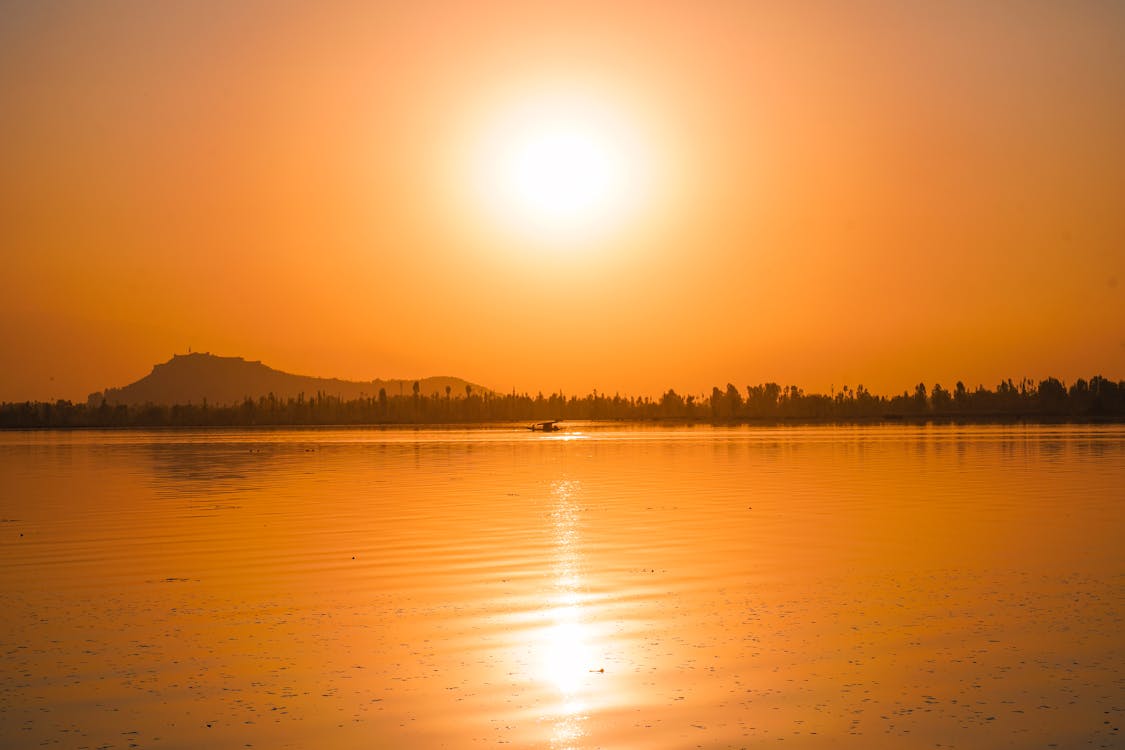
x=865 y=587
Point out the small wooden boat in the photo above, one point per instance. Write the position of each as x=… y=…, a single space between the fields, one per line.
x=551 y=425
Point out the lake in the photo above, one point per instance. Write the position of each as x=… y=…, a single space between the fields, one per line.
x=603 y=587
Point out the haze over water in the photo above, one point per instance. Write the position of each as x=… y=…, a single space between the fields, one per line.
x=829 y=587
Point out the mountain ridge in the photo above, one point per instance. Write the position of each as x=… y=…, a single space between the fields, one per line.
x=199 y=377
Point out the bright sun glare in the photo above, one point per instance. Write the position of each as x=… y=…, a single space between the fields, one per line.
x=559 y=168
x=563 y=174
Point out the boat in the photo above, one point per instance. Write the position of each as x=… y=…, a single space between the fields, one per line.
x=551 y=425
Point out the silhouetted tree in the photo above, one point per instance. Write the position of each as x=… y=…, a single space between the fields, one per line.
x=1051 y=395
x=960 y=397
x=718 y=405
x=940 y=400
x=920 y=403
x=734 y=401
x=671 y=405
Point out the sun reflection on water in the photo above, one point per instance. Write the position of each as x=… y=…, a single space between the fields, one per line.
x=566 y=653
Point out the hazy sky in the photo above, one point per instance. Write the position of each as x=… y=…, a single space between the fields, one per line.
x=812 y=193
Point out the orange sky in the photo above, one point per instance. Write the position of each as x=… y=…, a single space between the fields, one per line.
x=874 y=193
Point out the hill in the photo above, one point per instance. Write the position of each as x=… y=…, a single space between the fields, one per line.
x=193 y=378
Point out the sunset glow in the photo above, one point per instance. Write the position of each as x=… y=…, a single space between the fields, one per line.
x=731 y=179
x=493 y=373
x=800 y=193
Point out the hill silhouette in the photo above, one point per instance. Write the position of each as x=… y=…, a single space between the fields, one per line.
x=203 y=377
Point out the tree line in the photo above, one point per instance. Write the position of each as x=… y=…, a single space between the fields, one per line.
x=1093 y=399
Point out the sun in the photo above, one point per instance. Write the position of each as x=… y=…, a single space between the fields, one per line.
x=559 y=168
x=561 y=174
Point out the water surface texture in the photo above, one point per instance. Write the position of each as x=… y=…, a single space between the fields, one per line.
x=605 y=587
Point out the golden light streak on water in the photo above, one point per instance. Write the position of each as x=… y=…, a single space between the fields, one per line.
x=566 y=652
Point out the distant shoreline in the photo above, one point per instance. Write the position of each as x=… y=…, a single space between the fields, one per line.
x=889 y=420
x=1048 y=401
